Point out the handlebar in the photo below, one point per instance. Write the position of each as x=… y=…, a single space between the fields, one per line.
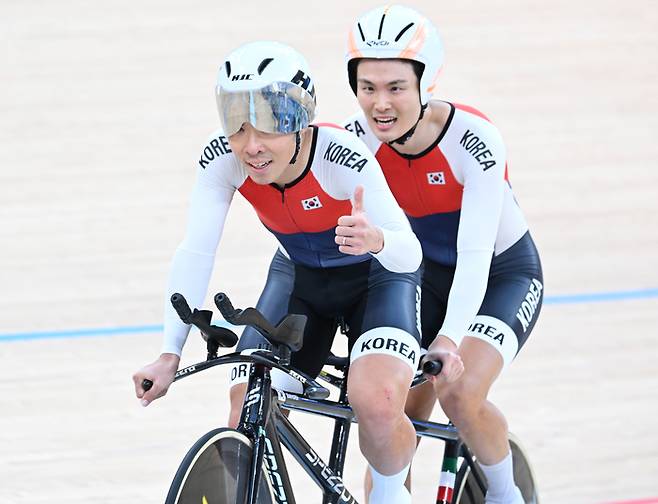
x=312 y=389
x=248 y=316
x=182 y=308
x=225 y=306
x=432 y=367
x=289 y=334
x=222 y=336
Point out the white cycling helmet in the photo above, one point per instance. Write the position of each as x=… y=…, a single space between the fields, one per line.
x=396 y=32
x=268 y=85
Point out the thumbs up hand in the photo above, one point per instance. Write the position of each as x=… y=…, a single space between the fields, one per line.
x=354 y=233
x=357 y=206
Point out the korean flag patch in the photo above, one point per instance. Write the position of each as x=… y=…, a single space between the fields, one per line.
x=311 y=203
x=436 y=178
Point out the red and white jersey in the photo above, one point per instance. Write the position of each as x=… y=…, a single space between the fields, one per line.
x=302 y=215
x=459 y=202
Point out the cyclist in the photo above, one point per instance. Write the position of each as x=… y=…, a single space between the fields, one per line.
x=346 y=249
x=446 y=165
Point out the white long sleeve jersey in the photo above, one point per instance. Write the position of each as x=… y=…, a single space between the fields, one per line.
x=302 y=215
x=459 y=202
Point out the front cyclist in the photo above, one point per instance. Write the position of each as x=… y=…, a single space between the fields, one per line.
x=446 y=165
x=352 y=254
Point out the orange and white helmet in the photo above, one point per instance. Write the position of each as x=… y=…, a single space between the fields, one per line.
x=396 y=32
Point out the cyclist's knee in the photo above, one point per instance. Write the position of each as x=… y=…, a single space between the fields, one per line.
x=380 y=409
x=236 y=395
x=462 y=401
x=377 y=388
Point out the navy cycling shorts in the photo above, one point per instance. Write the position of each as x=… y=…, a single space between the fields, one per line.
x=362 y=297
x=511 y=303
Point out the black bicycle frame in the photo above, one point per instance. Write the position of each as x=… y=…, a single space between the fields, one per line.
x=262 y=407
x=263 y=421
x=344 y=416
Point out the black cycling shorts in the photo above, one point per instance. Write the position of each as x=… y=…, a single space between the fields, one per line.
x=511 y=303
x=364 y=296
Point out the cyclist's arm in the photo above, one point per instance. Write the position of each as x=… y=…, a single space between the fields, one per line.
x=401 y=251
x=193 y=260
x=482 y=203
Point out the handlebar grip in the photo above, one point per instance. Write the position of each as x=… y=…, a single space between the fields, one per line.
x=225 y=306
x=181 y=307
x=432 y=367
x=147 y=384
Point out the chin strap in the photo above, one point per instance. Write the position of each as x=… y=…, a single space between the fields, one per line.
x=401 y=140
x=298 y=142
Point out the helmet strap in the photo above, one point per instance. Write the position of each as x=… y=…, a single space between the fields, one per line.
x=402 y=139
x=293 y=160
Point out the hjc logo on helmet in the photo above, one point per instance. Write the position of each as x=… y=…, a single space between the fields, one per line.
x=304 y=81
x=240 y=77
x=377 y=43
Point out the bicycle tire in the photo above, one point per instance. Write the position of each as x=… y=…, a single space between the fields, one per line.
x=467 y=491
x=216 y=471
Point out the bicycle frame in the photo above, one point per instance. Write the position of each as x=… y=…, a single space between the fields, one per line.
x=262 y=407
x=343 y=416
x=264 y=422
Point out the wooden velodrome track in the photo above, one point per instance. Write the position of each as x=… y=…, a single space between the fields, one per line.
x=103 y=109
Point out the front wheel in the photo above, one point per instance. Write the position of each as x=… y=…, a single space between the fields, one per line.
x=216 y=471
x=468 y=491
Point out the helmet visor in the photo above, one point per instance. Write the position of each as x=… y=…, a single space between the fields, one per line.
x=281 y=107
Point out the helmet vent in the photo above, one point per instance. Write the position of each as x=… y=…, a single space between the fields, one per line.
x=403 y=30
x=381 y=26
x=363 y=37
x=227 y=64
x=263 y=65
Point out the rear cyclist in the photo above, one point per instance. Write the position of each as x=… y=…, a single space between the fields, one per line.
x=346 y=248
x=446 y=165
